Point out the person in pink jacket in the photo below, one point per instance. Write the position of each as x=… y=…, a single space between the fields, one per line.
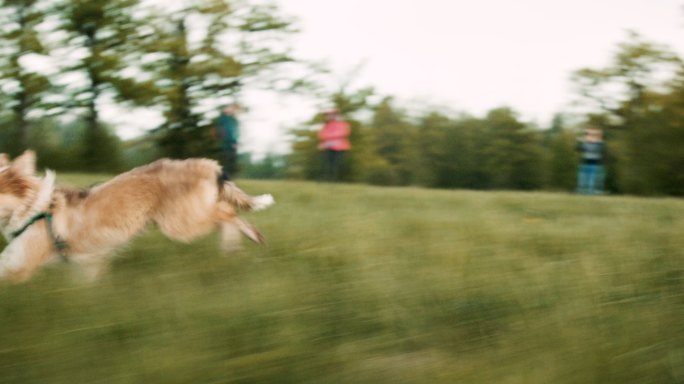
x=333 y=142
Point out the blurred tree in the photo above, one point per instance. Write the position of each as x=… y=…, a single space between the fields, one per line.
x=270 y=167
x=642 y=107
x=305 y=159
x=447 y=152
x=140 y=151
x=464 y=151
x=23 y=89
x=104 y=38
x=393 y=139
x=58 y=144
x=431 y=154
x=560 y=156
x=651 y=150
x=203 y=55
x=512 y=157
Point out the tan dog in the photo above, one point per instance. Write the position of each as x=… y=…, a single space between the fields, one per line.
x=185 y=199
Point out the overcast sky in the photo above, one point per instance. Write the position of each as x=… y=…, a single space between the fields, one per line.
x=468 y=55
x=475 y=55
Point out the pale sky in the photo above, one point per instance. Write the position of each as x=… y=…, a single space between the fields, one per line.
x=469 y=56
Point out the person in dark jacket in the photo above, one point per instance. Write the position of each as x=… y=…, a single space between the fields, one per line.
x=590 y=174
x=227 y=132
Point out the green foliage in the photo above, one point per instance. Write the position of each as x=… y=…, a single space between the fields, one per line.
x=511 y=152
x=305 y=159
x=497 y=152
x=101 y=151
x=393 y=140
x=139 y=152
x=561 y=162
x=435 y=286
x=106 y=34
x=23 y=91
x=62 y=146
x=460 y=154
x=125 y=52
x=240 y=43
x=643 y=117
x=653 y=155
x=270 y=167
x=58 y=146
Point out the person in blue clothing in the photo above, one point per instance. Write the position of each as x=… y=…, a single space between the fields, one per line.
x=590 y=174
x=227 y=132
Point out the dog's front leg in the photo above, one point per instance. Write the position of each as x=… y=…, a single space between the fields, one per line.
x=24 y=255
x=12 y=259
x=92 y=268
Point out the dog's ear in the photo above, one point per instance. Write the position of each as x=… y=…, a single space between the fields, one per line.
x=25 y=164
x=4 y=159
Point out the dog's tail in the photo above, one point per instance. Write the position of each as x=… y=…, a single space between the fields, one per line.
x=242 y=201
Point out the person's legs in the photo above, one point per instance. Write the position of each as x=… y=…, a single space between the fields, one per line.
x=336 y=164
x=591 y=178
x=582 y=180
x=600 y=177
x=228 y=163
x=331 y=164
x=326 y=167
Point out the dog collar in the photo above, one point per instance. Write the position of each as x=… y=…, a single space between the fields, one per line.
x=59 y=243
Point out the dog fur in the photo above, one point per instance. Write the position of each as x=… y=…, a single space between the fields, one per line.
x=184 y=198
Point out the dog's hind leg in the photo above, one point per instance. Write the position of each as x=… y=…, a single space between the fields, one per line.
x=230 y=237
x=232 y=227
x=225 y=217
x=91 y=271
x=250 y=231
x=90 y=267
x=232 y=231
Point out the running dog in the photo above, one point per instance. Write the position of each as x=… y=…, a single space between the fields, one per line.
x=185 y=199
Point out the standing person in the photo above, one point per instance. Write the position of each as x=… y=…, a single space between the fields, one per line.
x=590 y=174
x=227 y=132
x=333 y=142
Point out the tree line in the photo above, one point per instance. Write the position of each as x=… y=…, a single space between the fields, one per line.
x=637 y=100
x=186 y=58
x=497 y=151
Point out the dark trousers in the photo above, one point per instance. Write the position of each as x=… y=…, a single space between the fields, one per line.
x=228 y=161
x=332 y=164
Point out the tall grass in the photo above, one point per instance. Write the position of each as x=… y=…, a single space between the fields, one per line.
x=374 y=285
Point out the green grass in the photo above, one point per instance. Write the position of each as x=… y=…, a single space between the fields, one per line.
x=374 y=285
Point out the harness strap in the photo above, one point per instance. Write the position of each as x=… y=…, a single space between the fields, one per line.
x=59 y=243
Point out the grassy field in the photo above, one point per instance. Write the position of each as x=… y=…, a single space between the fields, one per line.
x=374 y=285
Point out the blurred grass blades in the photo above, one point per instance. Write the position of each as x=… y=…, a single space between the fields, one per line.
x=362 y=284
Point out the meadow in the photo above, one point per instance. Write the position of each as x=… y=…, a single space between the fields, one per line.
x=362 y=284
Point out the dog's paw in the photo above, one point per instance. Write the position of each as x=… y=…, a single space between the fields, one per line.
x=262 y=202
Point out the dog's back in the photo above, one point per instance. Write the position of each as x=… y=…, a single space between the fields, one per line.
x=185 y=198
x=178 y=195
